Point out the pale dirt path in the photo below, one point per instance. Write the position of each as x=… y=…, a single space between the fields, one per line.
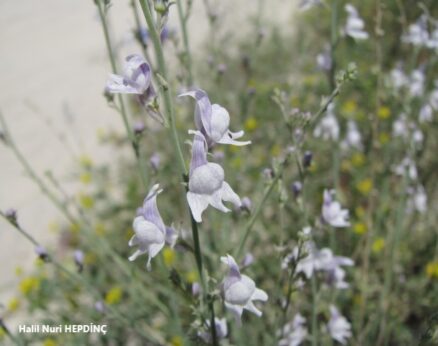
x=52 y=57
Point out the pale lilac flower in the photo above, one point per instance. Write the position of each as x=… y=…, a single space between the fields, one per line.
x=416 y=83
x=136 y=79
x=400 y=127
x=206 y=183
x=221 y=330
x=247 y=260
x=426 y=113
x=353 y=138
x=239 y=291
x=397 y=77
x=417 y=34
x=213 y=120
x=332 y=212
x=417 y=200
x=407 y=166
x=308 y=4
x=78 y=257
x=139 y=127
x=338 y=326
x=246 y=204
x=100 y=306
x=295 y=332
x=355 y=24
x=297 y=187
x=322 y=260
x=324 y=61
x=196 y=289
x=154 y=161
x=150 y=232
x=42 y=253
x=328 y=127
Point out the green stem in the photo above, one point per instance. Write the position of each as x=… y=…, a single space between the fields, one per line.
x=142 y=167
x=314 y=311
x=170 y=117
x=188 y=59
x=164 y=90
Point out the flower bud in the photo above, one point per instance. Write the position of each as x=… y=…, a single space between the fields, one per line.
x=307 y=159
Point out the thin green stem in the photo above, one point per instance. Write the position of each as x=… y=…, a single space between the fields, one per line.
x=142 y=167
x=165 y=89
x=314 y=312
x=187 y=54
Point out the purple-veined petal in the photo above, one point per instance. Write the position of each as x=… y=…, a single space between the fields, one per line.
x=199 y=151
x=203 y=109
x=197 y=204
x=150 y=210
x=117 y=84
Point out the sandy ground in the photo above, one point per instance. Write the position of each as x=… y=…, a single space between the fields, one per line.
x=53 y=68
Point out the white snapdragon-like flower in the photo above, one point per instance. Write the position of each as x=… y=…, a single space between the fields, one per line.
x=239 y=291
x=417 y=34
x=213 y=121
x=332 y=213
x=355 y=25
x=295 y=332
x=328 y=127
x=136 y=79
x=206 y=183
x=353 y=138
x=150 y=232
x=416 y=83
x=407 y=166
x=417 y=200
x=338 y=326
x=321 y=261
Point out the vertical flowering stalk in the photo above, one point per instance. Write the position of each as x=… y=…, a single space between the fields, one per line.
x=134 y=141
x=170 y=117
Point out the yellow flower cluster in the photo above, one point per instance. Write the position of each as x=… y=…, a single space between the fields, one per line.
x=378 y=245
x=29 y=284
x=432 y=270
x=113 y=296
x=365 y=186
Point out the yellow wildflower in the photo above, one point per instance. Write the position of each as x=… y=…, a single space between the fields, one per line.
x=275 y=150
x=192 y=276
x=251 y=124
x=2 y=333
x=29 y=284
x=345 y=166
x=378 y=245
x=349 y=106
x=169 y=256
x=86 y=201
x=113 y=296
x=360 y=212
x=49 y=342
x=384 y=112
x=176 y=341
x=359 y=228
x=85 y=161
x=432 y=270
x=13 y=304
x=358 y=299
x=75 y=228
x=358 y=159
x=384 y=138
x=364 y=186
x=85 y=178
